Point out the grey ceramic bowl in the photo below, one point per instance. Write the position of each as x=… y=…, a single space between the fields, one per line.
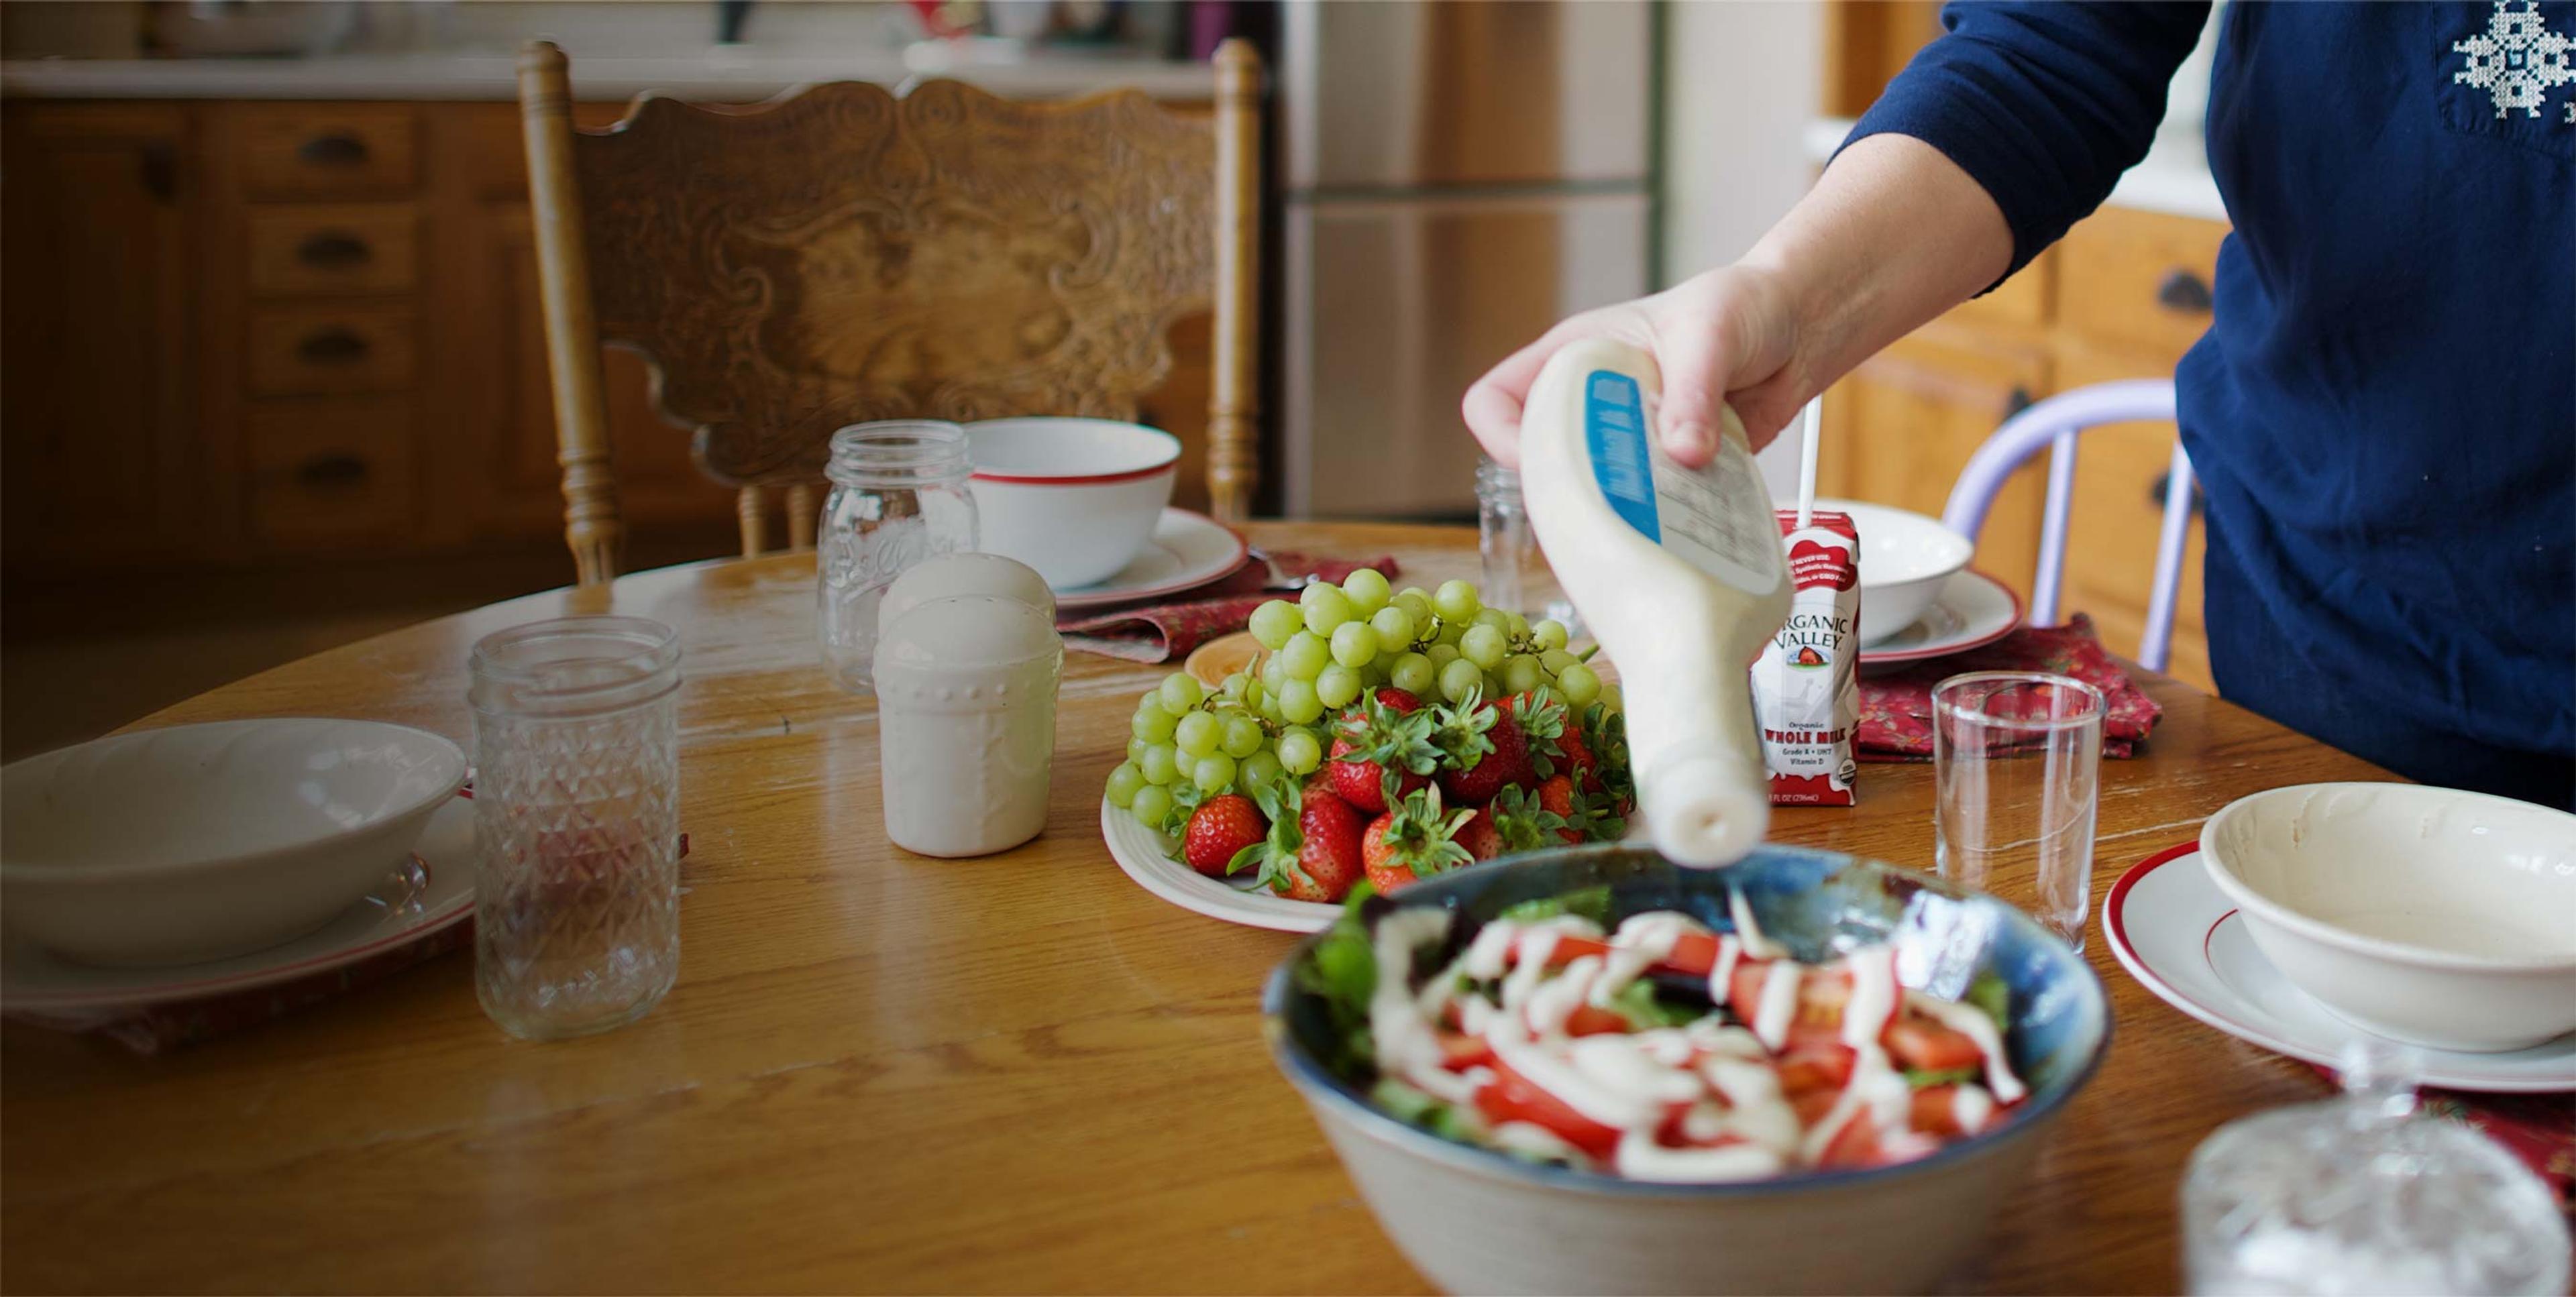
x=1476 y=1221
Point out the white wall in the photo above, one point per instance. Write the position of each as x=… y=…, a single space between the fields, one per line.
x=1742 y=78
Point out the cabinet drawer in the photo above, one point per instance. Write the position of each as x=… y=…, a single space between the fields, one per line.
x=2139 y=279
x=371 y=248
x=327 y=151
x=310 y=350
x=330 y=470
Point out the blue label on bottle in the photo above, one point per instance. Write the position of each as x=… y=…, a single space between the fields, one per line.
x=1614 y=429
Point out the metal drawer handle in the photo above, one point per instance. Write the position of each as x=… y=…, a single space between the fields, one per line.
x=337 y=149
x=333 y=345
x=2183 y=291
x=332 y=470
x=333 y=250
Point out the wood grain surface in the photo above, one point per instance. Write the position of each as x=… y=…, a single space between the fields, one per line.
x=881 y=1072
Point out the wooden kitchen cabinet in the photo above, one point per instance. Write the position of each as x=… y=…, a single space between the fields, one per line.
x=242 y=333
x=98 y=438
x=1901 y=427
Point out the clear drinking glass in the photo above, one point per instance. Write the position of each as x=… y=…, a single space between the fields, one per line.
x=576 y=823
x=899 y=496
x=2364 y=1194
x=1517 y=577
x=2017 y=756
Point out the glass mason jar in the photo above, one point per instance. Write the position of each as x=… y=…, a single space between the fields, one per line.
x=1517 y=577
x=576 y=823
x=899 y=496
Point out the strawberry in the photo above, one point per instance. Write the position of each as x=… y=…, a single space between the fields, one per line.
x=1604 y=735
x=1412 y=842
x=1313 y=852
x=1487 y=752
x=1384 y=741
x=1223 y=834
x=1556 y=796
x=1522 y=822
x=1479 y=836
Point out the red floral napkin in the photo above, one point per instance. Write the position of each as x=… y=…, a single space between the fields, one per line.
x=2539 y=1129
x=1896 y=710
x=1163 y=632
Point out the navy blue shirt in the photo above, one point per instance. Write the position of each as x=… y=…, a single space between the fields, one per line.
x=2383 y=412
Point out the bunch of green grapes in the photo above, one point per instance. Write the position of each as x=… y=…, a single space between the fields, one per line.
x=1321 y=654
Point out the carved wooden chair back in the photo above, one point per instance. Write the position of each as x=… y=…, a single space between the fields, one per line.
x=842 y=254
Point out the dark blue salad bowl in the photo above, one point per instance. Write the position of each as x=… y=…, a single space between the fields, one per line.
x=1475 y=1220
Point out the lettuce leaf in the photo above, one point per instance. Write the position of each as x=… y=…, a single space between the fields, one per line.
x=1590 y=903
x=1342 y=972
x=1990 y=994
x=1922 y=1080
x=1637 y=1003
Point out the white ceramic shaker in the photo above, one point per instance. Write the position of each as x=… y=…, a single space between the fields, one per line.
x=966 y=723
x=965 y=572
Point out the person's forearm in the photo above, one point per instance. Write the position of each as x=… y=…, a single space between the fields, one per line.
x=1892 y=235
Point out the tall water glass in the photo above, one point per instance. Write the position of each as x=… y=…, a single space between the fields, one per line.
x=576 y=823
x=1516 y=575
x=2017 y=757
x=899 y=496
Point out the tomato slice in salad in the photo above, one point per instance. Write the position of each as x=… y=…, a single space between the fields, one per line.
x=1928 y=1046
x=1511 y=1097
x=1694 y=954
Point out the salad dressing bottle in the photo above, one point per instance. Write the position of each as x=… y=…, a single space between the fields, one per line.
x=1677 y=571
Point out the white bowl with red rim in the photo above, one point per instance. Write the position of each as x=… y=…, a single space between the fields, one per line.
x=1073 y=498
x=2441 y=918
x=1905 y=560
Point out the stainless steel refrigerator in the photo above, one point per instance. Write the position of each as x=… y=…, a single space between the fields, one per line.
x=1456 y=176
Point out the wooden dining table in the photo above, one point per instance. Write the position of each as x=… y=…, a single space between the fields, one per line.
x=885 y=1072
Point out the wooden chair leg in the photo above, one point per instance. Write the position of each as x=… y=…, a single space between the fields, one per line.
x=592 y=527
x=1233 y=400
x=802 y=512
x=748 y=506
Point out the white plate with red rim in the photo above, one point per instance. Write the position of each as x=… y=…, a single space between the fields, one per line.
x=1186 y=550
x=2171 y=927
x=1146 y=856
x=1972 y=611
x=408 y=905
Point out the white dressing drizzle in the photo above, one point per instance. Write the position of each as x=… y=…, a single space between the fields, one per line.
x=1642 y=942
x=1537 y=1141
x=1710 y=1036
x=1407 y=1044
x=1721 y=1078
x=1555 y=1000
x=1616 y=1064
x=1721 y=975
x=1971 y=1107
x=1778 y=1005
x=1750 y=932
x=1614 y=1106
x=1641 y=1158
x=1970 y=1021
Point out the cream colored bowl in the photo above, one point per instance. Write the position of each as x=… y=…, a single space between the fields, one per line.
x=1073 y=498
x=2428 y=915
x=1905 y=559
x=199 y=842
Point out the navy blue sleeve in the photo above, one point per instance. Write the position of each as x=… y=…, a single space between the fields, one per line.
x=2044 y=104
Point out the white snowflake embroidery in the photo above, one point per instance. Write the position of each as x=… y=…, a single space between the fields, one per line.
x=2517 y=59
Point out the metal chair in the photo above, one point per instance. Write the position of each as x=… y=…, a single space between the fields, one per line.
x=2053 y=425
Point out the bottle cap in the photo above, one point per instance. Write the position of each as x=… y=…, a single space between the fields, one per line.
x=1702 y=810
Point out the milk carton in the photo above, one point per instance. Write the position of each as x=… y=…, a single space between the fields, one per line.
x=1806 y=684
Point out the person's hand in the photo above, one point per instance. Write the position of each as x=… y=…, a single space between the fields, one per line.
x=1725 y=336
